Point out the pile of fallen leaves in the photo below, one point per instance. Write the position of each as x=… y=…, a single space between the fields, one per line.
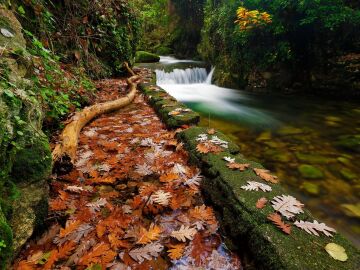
x=132 y=202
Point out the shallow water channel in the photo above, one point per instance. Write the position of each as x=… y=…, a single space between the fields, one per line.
x=312 y=144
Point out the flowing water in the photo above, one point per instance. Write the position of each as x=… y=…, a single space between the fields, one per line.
x=296 y=137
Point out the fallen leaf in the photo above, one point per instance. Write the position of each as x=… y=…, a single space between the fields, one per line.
x=287 y=205
x=147 y=236
x=314 y=227
x=261 y=203
x=185 y=232
x=276 y=219
x=265 y=175
x=147 y=252
x=256 y=186
x=337 y=252
x=237 y=166
x=211 y=131
x=175 y=252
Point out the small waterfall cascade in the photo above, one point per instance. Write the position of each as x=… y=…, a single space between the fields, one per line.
x=182 y=76
x=209 y=77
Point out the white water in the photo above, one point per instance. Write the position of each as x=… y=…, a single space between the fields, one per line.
x=193 y=85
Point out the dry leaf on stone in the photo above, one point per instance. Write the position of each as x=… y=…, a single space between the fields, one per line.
x=185 y=232
x=229 y=159
x=261 y=203
x=314 y=227
x=256 y=186
x=237 y=166
x=287 y=205
x=265 y=175
x=211 y=131
x=147 y=252
x=276 y=219
x=337 y=252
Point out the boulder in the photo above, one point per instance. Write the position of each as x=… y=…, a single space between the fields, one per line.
x=146 y=57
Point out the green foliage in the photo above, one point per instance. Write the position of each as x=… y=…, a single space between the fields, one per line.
x=302 y=35
x=146 y=57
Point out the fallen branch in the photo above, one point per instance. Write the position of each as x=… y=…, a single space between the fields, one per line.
x=64 y=154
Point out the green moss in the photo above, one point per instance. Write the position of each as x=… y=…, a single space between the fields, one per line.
x=33 y=162
x=146 y=57
x=162 y=50
x=7 y=237
x=349 y=142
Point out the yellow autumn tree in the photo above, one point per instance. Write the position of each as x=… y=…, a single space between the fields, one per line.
x=248 y=19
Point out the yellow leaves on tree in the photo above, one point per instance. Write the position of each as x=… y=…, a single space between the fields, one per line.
x=248 y=19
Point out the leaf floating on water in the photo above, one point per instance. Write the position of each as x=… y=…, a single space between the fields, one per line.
x=185 y=232
x=261 y=203
x=266 y=176
x=337 y=252
x=256 y=186
x=276 y=219
x=287 y=205
x=314 y=227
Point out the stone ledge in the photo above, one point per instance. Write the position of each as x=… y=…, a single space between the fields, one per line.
x=163 y=104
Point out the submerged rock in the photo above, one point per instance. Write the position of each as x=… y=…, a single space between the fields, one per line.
x=289 y=130
x=276 y=155
x=310 y=187
x=313 y=158
x=352 y=210
x=311 y=172
x=264 y=136
x=348 y=174
x=349 y=142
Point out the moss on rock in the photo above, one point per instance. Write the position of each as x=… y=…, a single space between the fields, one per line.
x=310 y=172
x=7 y=237
x=146 y=57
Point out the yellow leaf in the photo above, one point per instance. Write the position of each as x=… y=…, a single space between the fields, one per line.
x=176 y=251
x=336 y=251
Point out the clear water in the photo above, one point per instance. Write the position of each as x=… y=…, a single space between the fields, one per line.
x=283 y=133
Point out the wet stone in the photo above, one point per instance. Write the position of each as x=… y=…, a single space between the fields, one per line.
x=310 y=172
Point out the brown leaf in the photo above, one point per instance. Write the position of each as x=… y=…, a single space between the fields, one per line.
x=261 y=203
x=265 y=175
x=185 y=232
x=70 y=227
x=237 y=166
x=166 y=178
x=276 y=219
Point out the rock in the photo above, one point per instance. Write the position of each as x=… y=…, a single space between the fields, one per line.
x=264 y=136
x=146 y=57
x=7 y=237
x=344 y=160
x=352 y=210
x=29 y=211
x=348 y=174
x=349 y=142
x=310 y=187
x=163 y=50
x=289 y=130
x=276 y=155
x=313 y=158
x=311 y=172
x=333 y=119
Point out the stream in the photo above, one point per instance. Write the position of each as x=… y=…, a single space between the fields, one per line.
x=306 y=141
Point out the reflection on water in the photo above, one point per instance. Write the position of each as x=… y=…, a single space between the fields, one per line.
x=313 y=145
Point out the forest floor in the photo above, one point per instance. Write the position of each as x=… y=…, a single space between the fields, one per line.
x=132 y=201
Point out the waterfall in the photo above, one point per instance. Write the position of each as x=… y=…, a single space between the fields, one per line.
x=209 y=77
x=182 y=76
